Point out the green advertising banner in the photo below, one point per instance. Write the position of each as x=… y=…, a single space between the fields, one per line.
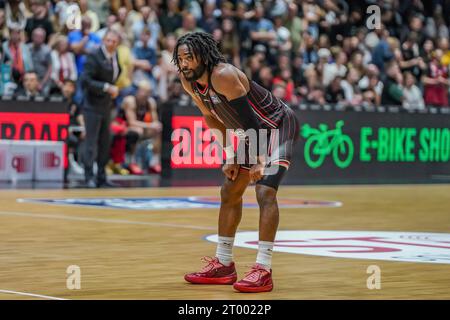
x=372 y=147
x=349 y=147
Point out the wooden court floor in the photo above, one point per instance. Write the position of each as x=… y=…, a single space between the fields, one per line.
x=131 y=254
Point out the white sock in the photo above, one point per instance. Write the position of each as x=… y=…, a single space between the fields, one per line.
x=264 y=257
x=224 y=250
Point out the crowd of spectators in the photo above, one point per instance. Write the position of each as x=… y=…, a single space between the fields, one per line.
x=305 y=51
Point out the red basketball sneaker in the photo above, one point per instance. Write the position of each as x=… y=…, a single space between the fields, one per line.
x=257 y=279
x=213 y=273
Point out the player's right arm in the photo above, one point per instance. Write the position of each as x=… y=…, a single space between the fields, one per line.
x=210 y=119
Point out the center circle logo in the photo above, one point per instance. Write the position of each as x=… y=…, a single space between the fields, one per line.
x=375 y=245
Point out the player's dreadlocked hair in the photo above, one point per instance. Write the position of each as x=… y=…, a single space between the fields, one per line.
x=202 y=45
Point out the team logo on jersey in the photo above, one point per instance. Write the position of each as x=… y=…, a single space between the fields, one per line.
x=175 y=203
x=214 y=98
x=391 y=246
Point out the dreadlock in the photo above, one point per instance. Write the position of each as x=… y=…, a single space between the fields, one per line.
x=203 y=46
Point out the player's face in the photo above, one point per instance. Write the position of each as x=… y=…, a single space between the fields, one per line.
x=190 y=66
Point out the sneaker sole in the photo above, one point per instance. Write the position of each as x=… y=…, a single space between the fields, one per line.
x=224 y=280
x=267 y=288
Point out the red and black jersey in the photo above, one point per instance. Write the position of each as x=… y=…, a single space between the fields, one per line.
x=268 y=109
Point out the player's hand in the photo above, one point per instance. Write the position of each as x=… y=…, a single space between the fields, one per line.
x=256 y=172
x=231 y=170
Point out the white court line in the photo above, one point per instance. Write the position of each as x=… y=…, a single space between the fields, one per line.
x=31 y=295
x=117 y=221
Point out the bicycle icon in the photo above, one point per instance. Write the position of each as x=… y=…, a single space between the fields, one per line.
x=323 y=141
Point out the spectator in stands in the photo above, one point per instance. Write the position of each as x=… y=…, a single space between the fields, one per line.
x=352 y=93
x=382 y=52
x=189 y=24
x=308 y=49
x=413 y=96
x=295 y=25
x=336 y=68
x=166 y=72
x=85 y=12
x=101 y=8
x=3 y=29
x=141 y=115
x=82 y=42
x=209 y=22
x=371 y=82
x=334 y=93
x=443 y=44
x=124 y=81
x=230 y=44
x=65 y=10
x=110 y=21
x=18 y=53
x=30 y=87
x=40 y=55
x=16 y=14
x=39 y=19
x=392 y=89
x=170 y=19
x=436 y=82
x=145 y=59
x=261 y=29
x=63 y=64
x=148 y=20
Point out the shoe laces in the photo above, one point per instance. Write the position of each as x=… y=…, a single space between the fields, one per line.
x=211 y=263
x=255 y=273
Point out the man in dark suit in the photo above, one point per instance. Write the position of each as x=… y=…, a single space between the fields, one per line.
x=100 y=73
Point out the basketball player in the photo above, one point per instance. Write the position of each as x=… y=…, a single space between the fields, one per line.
x=229 y=100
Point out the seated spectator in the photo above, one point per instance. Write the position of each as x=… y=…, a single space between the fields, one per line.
x=333 y=69
x=81 y=43
x=101 y=8
x=308 y=49
x=413 y=95
x=334 y=93
x=63 y=64
x=110 y=22
x=285 y=77
x=371 y=81
x=149 y=21
x=85 y=12
x=171 y=18
x=209 y=22
x=141 y=115
x=230 y=45
x=144 y=59
x=16 y=51
x=393 y=90
x=40 y=54
x=124 y=81
x=30 y=87
x=352 y=92
x=189 y=24
x=166 y=72
x=436 y=82
x=39 y=19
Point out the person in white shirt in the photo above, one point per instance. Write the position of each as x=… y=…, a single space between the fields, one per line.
x=413 y=97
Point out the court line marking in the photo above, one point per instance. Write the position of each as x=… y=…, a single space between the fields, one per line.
x=31 y=295
x=331 y=203
x=116 y=221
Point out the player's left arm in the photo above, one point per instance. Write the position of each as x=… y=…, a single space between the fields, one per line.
x=226 y=81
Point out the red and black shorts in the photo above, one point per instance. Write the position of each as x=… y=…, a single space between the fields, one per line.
x=279 y=154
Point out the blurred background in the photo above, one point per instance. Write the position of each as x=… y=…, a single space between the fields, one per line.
x=325 y=58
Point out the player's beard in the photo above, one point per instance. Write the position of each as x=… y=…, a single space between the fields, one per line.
x=194 y=74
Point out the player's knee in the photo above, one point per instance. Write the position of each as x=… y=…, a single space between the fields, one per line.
x=230 y=194
x=265 y=195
